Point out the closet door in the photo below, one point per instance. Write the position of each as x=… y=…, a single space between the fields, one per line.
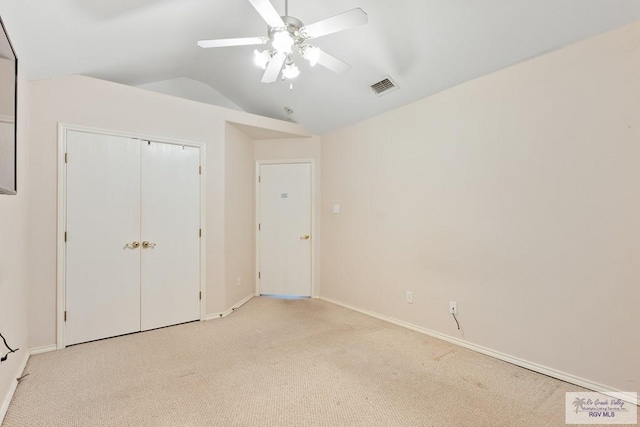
x=170 y=273
x=103 y=226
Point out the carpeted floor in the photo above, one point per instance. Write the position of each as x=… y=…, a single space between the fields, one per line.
x=282 y=363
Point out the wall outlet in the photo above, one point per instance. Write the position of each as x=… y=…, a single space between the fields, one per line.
x=410 y=297
x=453 y=307
x=238 y=281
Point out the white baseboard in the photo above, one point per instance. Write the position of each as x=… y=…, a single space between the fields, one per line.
x=44 y=349
x=229 y=311
x=582 y=382
x=7 y=399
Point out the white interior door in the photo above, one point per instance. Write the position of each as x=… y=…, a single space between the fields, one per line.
x=170 y=273
x=103 y=221
x=285 y=229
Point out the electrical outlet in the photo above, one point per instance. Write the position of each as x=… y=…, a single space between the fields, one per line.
x=410 y=297
x=238 y=281
x=453 y=307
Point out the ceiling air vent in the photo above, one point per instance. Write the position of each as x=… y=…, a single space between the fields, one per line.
x=384 y=86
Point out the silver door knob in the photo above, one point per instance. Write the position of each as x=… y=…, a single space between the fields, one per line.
x=133 y=245
x=146 y=244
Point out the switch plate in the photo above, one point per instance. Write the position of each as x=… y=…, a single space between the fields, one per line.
x=410 y=297
x=453 y=307
x=336 y=209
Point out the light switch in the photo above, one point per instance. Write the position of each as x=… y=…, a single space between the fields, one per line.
x=336 y=209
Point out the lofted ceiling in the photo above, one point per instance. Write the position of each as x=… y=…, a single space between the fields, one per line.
x=426 y=46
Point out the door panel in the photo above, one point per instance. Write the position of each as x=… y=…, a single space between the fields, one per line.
x=285 y=220
x=170 y=273
x=103 y=215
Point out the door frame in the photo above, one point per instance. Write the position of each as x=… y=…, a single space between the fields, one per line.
x=314 y=231
x=63 y=128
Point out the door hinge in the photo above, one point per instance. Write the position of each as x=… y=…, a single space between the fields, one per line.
x=65 y=236
x=66 y=157
x=199 y=170
x=200 y=233
x=258 y=274
x=65 y=315
x=259 y=227
x=200 y=296
x=259 y=178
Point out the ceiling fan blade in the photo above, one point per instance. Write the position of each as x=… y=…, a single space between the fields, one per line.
x=245 y=41
x=273 y=69
x=268 y=13
x=332 y=63
x=341 y=22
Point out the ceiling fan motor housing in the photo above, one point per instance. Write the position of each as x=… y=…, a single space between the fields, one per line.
x=293 y=26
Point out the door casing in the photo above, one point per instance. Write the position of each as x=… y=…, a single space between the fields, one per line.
x=63 y=128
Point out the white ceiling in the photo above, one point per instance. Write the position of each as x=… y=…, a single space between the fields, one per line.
x=426 y=46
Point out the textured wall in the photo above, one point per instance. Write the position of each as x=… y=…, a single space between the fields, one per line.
x=239 y=216
x=515 y=195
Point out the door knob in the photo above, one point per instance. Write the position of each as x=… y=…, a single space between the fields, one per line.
x=133 y=245
x=305 y=237
x=146 y=244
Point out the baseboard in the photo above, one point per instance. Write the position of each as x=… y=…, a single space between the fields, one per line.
x=7 y=399
x=229 y=311
x=44 y=349
x=554 y=373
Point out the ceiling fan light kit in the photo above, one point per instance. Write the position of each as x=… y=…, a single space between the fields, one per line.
x=261 y=59
x=282 y=41
x=290 y=71
x=288 y=36
x=311 y=54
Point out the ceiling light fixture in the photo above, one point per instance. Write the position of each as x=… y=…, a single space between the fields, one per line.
x=288 y=36
x=310 y=53
x=290 y=70
x=261 y=59
x=282 y=41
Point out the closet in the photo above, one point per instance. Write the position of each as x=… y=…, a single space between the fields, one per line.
x=132 y=235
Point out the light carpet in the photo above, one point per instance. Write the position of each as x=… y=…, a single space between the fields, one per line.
x=282 y=363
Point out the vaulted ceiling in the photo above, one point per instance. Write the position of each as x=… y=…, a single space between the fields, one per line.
x=426 y=46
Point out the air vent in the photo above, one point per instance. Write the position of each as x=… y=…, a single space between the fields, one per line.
x=384 y=86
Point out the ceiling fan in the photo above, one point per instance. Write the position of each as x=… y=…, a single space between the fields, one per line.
x=288 y=35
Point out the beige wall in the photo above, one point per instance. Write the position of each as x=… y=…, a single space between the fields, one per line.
x=90 y=102
x=515 y=195
x=239 y=216
x=300 y=149
x=14 y=285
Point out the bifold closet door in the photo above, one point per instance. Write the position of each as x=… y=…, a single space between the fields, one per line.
x=103 y=226
x=170 y=273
